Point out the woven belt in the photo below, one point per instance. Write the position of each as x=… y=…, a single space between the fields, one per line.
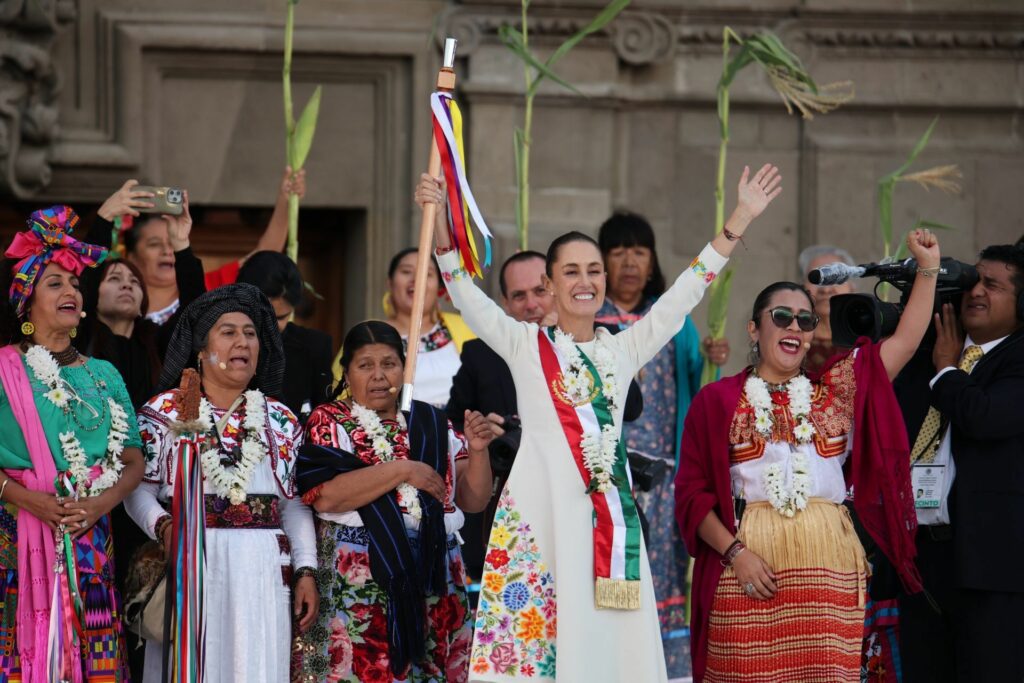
x=255 y=512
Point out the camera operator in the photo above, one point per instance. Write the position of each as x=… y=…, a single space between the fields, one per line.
x=484 y=383
x=816 y=256
x=965 y=423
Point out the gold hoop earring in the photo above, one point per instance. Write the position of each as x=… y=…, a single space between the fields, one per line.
x=27 y=328
x=389 y=308
x=73 y=333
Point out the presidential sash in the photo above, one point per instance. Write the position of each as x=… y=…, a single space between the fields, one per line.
x=616 y=523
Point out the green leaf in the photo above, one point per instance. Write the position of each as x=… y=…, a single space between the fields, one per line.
x=718 y=304
x=735 y=65
x=885 y=190
x=519 y=144
x=513 y=40
x=603 y=18
x=932 y=225
x=305 y=127
x=918 y=148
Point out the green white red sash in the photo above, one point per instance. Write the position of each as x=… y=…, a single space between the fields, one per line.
x=616 y=522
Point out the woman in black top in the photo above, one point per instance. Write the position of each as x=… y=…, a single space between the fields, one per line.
x=307 y=352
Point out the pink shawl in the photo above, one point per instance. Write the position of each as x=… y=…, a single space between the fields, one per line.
x=35 y=539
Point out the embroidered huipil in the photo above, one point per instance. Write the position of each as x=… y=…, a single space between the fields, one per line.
x=825 y=454
x=537 y=617
x=248 y=605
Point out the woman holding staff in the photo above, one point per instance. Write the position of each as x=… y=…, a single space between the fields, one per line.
x=571 y=481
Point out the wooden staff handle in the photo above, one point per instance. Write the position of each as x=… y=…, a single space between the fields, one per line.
x=445 y=82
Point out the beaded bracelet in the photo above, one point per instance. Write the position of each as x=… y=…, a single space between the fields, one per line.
x=929 y=272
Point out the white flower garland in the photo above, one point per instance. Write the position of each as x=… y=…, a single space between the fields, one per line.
x=369 y=422
x=233 y=482
x=599 y=453
x=786 y=501
x=97 y=478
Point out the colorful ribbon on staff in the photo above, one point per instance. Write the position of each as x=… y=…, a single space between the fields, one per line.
x=65 y=635
x=461 y=204
x=185 y=588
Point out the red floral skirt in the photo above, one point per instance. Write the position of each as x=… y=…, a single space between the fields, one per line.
x=349 y=642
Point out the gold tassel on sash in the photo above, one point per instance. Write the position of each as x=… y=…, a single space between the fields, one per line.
x=616 y=594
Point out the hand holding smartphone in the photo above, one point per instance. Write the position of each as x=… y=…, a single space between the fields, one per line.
x=165 y=200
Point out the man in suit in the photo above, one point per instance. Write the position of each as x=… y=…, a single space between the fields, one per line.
x=967 y=429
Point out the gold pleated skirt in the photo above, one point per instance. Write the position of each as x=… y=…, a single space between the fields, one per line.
x=812 y=629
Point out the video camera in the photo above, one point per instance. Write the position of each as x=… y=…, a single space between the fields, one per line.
x=865 y=315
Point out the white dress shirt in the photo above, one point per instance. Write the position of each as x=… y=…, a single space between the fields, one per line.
x=944 y=456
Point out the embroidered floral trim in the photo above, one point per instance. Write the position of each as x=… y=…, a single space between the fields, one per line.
x=457 y=273
x=369 y=422
x=702 y=271
x=516 y=625
x=104 y=473
x=599 y=452
x=232 y=482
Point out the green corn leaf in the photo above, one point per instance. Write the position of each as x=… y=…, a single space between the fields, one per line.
x=518 y=145
x=885 y=190
x=718 y=304
x=513 y=40
x=305 y=127
x=308 y=286
x=918 y=148
x=735 y=65
x=932 y=225
x=603 y=18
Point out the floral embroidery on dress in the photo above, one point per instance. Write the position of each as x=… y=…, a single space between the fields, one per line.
x=832 y=405
x=516 y=621
x=702 y=271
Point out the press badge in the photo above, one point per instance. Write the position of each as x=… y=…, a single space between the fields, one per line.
x=927 y=482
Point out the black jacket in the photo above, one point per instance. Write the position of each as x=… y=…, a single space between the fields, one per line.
x=307 y=375
x=986 y=412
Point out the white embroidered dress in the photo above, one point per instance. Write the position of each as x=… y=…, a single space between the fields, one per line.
x=248 y=605
x=540 y=560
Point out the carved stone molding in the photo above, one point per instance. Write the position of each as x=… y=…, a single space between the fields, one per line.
x=643 y=37
x=29 y=83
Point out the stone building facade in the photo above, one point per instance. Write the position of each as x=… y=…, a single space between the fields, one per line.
x=187 y=92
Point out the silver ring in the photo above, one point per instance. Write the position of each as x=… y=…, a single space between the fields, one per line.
x=83 y=524
x=748 y=588
x=60 y=500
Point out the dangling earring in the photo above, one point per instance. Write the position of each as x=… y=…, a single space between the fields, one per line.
x=73 y=333
x=389 y=310
x=27 y=328
x=199 y=363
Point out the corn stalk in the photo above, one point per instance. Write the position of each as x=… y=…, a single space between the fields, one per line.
x=799 y=92
x=298 y=134
x=517 y=40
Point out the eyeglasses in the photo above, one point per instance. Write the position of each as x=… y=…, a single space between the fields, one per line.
x=783 y=316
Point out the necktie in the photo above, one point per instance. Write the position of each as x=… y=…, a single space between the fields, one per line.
x=927 y=443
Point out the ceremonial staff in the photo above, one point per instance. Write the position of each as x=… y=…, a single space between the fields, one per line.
x=446 y=153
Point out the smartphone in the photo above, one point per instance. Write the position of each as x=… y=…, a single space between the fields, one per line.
x=169 y=200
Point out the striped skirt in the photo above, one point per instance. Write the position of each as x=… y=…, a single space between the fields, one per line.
x=813 y=628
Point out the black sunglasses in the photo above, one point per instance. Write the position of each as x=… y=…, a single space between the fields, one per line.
x=783 y=316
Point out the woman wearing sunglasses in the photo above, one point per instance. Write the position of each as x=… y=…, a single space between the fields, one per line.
x=768 y=457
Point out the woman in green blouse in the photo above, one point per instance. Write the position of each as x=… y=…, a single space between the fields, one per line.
x=69 y=450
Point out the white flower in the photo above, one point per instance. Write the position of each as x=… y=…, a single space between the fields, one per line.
x=803 y=431
x=233 y=482
x=763 y=422
x=369 y=421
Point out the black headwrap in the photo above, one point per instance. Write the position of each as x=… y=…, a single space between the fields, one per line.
x=198 y=319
